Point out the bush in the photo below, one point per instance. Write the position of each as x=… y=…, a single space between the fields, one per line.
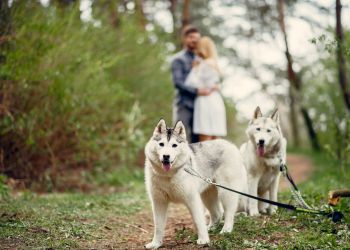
x=325 y=100
x=72 y=91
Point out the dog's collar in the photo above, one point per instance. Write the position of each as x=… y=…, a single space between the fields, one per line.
x=272 y=156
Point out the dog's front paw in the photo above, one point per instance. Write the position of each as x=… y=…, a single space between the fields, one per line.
x=225 y=230
x=263 y=210
x=213 y=226
x=203 y=241
x=153 y=245
x=254 y=212
x=272 y=210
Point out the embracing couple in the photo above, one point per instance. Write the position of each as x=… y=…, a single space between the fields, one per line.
x=196 y=76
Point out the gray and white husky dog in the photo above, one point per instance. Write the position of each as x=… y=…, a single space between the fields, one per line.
x=263 y=154
x=167 y=155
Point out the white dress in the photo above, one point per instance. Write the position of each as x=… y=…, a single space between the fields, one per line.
x=209 y=116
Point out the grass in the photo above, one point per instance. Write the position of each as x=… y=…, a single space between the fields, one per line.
x=102 y=219
x=289 y=230
x=63 y=220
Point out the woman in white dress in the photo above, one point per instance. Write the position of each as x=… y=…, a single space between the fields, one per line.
x=209 y=118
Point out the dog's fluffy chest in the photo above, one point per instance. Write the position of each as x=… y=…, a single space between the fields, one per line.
x=176 y=188
x=268 y=171
x=268 y=166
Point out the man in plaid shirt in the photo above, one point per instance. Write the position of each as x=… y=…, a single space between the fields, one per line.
x=185 y=95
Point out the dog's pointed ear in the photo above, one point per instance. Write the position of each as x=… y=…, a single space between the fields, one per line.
x=160 y=128
x=257 y=113
x=275 y=116
x=179 y=129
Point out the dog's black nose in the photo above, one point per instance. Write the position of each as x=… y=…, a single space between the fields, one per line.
x=166 y=157
x=261 y=142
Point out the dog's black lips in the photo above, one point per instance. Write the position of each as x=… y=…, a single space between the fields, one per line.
x=168 y=162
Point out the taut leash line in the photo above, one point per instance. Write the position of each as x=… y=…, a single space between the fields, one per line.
x=335 y=215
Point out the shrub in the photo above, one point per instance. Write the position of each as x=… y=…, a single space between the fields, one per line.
x=77 y=95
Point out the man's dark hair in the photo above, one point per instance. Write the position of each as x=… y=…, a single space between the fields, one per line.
x=189 y=30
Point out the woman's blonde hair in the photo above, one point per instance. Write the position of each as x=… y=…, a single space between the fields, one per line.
x=207 y=50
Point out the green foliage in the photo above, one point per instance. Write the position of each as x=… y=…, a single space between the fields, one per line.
x=78 y=94
x=4 y=190
x=325 y=100
x=329 y=44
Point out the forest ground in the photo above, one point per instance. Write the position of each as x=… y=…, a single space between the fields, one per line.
x=123 y=219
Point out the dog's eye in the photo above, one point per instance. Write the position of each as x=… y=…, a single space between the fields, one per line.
x=258 y=129
x=174 y=145
x=269 y=130
x=161 y=144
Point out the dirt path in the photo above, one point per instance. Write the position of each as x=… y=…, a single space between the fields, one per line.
x=134 y=232
x=300 y=168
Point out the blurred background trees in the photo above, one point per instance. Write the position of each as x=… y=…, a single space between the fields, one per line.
x=84 y=82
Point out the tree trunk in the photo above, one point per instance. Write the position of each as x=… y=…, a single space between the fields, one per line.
x=140 y=13
x=185 y=14
x=294 y=116
x=340 y=56
x=295 y=91
x=4 y=18
x=64 y=3
x=176 y=33
x=291 y=77
x=172 y=8
x=312 y=133
x=5 y=28
x=114 y=17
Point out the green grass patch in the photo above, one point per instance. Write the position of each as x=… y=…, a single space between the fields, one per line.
x=289 y=230
x=62 y=220
x=67 y=220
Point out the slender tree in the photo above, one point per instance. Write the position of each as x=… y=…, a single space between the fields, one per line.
x=340 y=56
x=114 y=16
x=5 y=27
x=64 y=3
x=295 y=89
x=140 y=13
x=172 y=8
x=291 y=76
x=185 y=14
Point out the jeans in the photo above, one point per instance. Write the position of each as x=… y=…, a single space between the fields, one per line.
x=185 y=114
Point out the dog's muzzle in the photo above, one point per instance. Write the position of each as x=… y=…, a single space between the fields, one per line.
x=166 y=162
x=260 y=150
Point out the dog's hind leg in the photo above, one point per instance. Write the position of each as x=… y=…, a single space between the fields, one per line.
x=230 y=205
x=211 y=201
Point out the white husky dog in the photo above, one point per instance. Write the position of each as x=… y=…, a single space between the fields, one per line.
x=167 y=154
x=263 y=154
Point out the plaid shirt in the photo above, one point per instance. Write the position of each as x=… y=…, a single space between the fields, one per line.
x=180 y=68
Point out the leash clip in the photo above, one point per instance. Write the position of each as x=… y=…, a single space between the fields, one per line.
x=208 y=180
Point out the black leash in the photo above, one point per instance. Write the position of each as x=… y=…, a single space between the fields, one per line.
x=293 y=187
x=336 y=216
x=283 y=168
